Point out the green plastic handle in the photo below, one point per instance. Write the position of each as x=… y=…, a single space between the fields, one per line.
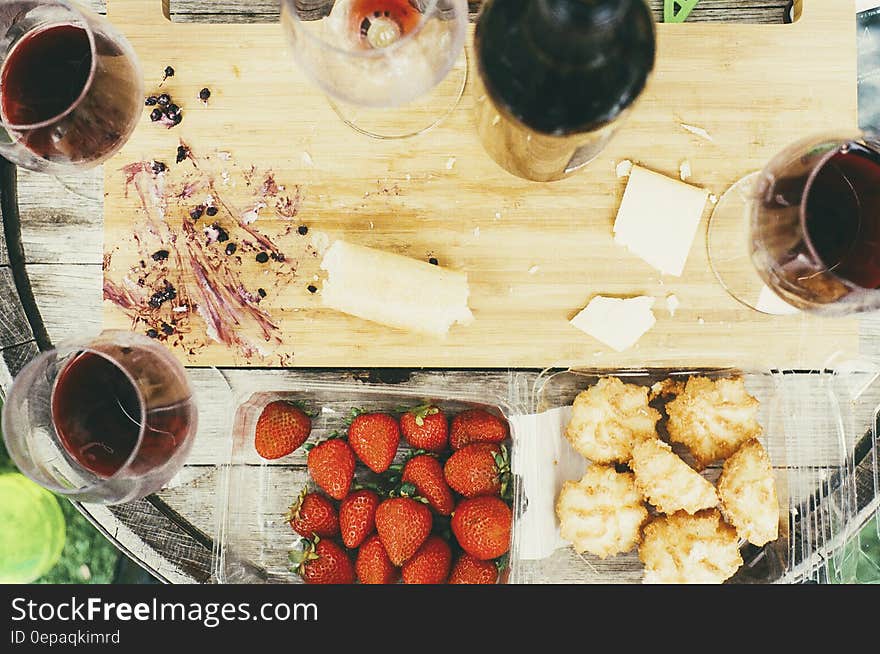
x=677 y=11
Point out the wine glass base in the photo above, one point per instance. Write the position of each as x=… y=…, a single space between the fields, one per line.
x=413 y=118
x=727 y=242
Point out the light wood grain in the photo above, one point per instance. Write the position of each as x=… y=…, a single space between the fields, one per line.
x=563 y=229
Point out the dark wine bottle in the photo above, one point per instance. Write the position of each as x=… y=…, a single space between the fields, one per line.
x=556 y=78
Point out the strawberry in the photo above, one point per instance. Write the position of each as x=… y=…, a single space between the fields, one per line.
x=357 y=517
x=323 y=562
x=313 y=515
x=478 y=469
x=425 y=473
x=477 y=426
x=430 y=564
x=468 y=570
x=425 y=428
x=403 y=525
x=281 y=428
x=374 y=438
x=331 y=464
x=482 y=526
x=373 y=565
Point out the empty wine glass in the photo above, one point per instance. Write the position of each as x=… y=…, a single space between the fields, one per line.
x=71 y=88
x=107 y=419
x=804 y=233
x=372 y=55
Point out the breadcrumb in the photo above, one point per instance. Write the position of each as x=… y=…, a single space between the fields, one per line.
x=748 y=494
x=602 y=513
x=609 y=418
x=669 y=483
x=689 y=549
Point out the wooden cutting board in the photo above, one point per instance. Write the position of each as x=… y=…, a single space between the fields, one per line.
x=534 y=253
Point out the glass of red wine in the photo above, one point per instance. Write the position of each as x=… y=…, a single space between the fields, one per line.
x=71 y=88
x=107 y=420
x=804 y=233
x=370 y=56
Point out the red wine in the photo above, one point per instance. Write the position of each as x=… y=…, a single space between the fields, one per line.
x=558 y=75
x=842 y=215
x=44 y=74
x=97 y=413
x=367 y=15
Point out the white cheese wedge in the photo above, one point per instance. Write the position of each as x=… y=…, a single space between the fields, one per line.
x=394 y=290
x=658 y=219
x=617 y=322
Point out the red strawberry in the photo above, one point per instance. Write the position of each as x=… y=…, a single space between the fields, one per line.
x=478 y=469
x=374 y=438
x=482 y=527
x=324 y=562
x=403 y=525
x=331 y=464
x=357 y=517
x=430 y=564
x=477 y=426
x=281 y=428
x=425 y=473
x=313 y=515
x=425 y=428
x=373 y=565
x=468 y=570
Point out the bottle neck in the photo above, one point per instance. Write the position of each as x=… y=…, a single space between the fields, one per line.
x=576 y=31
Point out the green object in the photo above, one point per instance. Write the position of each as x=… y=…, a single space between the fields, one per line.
x=677 y=11
x=859 y=562
x=32 y=530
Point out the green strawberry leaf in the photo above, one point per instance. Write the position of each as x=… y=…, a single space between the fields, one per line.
x=501 y=562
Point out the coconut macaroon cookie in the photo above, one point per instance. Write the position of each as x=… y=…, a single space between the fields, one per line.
x=608 y=418
x=748 y=494
x=713 y=417
x=667 y=482
x=689 y=549
x=602 y=513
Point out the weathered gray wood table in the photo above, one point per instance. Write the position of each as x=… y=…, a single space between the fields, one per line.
x=50 y=289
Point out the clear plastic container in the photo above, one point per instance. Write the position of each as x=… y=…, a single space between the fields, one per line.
x=819 y=430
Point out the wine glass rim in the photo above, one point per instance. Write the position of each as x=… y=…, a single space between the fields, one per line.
x=372 y=53
x=837 y=143
x=83 y=19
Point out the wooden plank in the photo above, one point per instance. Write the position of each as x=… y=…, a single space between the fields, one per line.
x=404 y=190
x=14 y=326
x=13 y=359
x=55 y=286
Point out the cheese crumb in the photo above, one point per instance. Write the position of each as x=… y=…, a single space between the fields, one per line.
x=450 y=163
x=476 y=232
x=713 y=198
x=701 y=321
x=307 y=160
x=617 y=322
x=697 y=131
x=534 y=269
x=624 y=168
x=672 y=304
x=658 y=219
x=496 y=120
x=684 y=170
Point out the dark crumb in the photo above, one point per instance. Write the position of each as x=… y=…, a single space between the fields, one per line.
x=279 y=257
x=143 y=264
x=160 y=255
x=158 y=167
x=152 y=333
x=182 y=153
x=311 y=288
x=161 y=296
x=262 y=257
x=169 y=72
x=156 y=115
x=172 y=110
x=433 y=261
x=176 y=118
x=150 y=101
x=141 y=281
x=164 y=100
x=197 y=212
x=222 y=235
x=262 y=292
x=204 y=94
x=231 y=248
x=303 y=230
x=211 y=211
x=167 y=329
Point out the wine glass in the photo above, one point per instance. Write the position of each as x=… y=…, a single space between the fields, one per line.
x=108 y=419
x=71 y=88
x=372 y=55
x=804 y=233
